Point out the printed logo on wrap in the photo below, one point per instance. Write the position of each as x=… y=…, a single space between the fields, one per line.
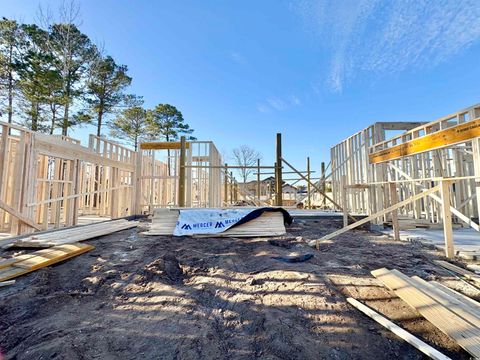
x=207 y=221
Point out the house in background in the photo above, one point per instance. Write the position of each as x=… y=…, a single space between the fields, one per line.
x=267 y=191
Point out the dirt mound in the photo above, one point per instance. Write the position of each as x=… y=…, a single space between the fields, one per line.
x=166 y=267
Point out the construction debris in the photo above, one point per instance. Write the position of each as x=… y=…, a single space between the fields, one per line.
x=293 y=258
x=459 y=320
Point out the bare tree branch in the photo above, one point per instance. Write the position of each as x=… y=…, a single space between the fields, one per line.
x=246 y=156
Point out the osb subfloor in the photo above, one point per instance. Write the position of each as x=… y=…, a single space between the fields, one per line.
x=141 y=297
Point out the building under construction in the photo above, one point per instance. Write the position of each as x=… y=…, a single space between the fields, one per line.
x=186 y=262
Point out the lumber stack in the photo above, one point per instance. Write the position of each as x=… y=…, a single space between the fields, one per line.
x=449 y=311
x=267 y=224
x=74 y=234
x=23 y=264
x=163 y=222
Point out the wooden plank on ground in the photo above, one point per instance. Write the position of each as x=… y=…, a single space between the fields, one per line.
x=397 y=330
x=458 y=270
x=74 y=234
x=42 y=259
x=57 y=254
x=459 y=296
x=458 y=307
x=463 y=332
x=6 y=283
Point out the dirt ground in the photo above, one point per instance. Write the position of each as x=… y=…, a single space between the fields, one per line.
x=158 y=297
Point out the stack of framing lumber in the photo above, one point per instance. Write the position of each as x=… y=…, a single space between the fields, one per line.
x=163 y=222
x=267 y=224
x=74 y=234
x=26 y=263
x=452 y=313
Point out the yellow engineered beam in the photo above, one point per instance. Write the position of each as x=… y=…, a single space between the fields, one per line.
x=453 y=135
x=162 y=145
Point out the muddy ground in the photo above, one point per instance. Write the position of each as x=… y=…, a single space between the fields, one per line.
x=158 y=297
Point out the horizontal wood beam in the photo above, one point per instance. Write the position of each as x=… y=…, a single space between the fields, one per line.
x=163 y=145
x=48 y=145
x=450 y=136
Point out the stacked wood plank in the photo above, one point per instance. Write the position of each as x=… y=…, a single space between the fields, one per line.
x=447 y=310
x=267 y=224
x=23 y=264
x=163 y=222
x=74 y=234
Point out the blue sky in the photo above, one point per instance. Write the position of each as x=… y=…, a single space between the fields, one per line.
x=316 y=71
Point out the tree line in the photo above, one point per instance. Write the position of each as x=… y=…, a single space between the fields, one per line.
x=54 y=78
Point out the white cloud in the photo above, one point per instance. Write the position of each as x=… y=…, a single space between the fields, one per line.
x=377 y=36
x=295 y=100
x=278 y=103
x=263 y=108
x=238 y=58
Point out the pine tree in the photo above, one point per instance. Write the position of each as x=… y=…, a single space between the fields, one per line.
x=131 y=124
x=105 y=86
x=167 y=122
x=73 y=53
x=11 y=42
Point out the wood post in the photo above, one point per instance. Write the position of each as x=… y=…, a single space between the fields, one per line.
x=181 y=176
x=232 y=199
x=309 y=188
x=343 y=188
x=137 y=184
x=447 y=218
x=323 y=185
x=393 y=201
x=258 y=180
x=476 y=167
x=278 y=172
x=225 y=185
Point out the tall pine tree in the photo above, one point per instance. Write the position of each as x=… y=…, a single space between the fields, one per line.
x=105 y=87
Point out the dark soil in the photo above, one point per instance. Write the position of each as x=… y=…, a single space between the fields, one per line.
x=157 y=297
